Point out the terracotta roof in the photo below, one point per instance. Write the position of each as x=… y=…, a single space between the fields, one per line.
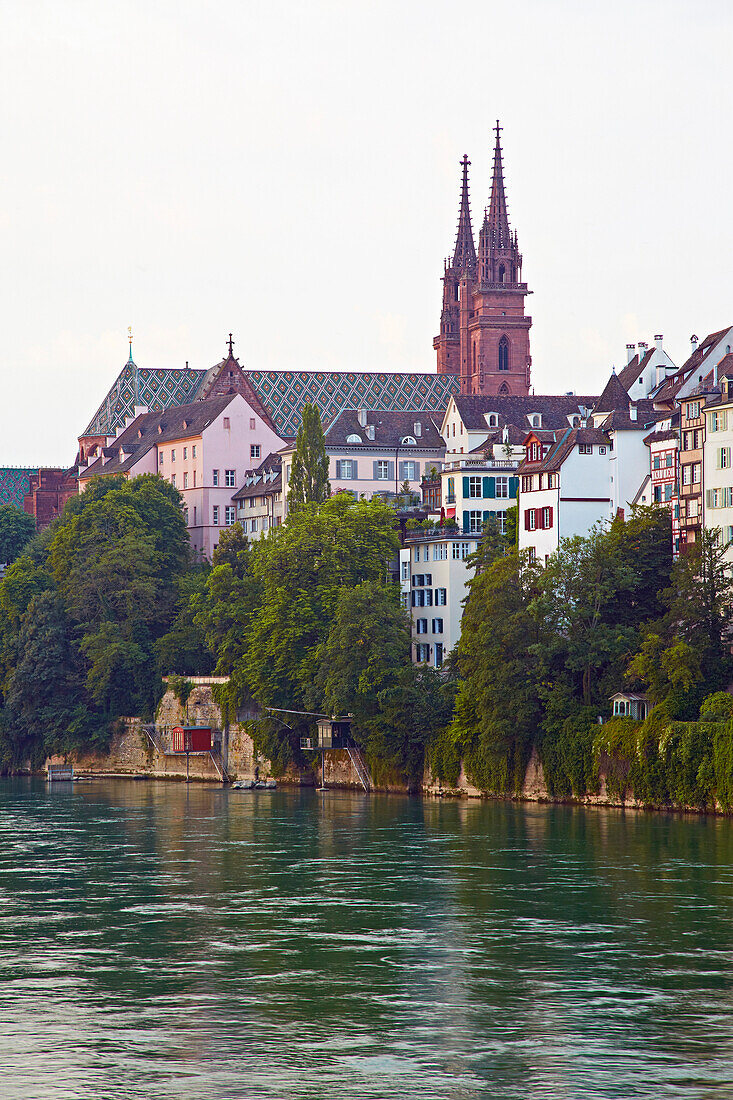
x=672 y=385
x=661 y=437
x=389 y=429
x=569 y=441
x=554 y=409
x=149 y=429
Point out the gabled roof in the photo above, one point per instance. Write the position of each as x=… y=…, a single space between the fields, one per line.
x=614 y=396
x=661 y=437
x=151 y=429
x=564 y=446
x=620 y=419
x=634 y=368
x=554 y=409
x=263 y=479
x=389 y=429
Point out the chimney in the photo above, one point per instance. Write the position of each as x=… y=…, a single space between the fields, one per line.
x=693 y=341
x=370 y=431
x=658 y=341
x=362 y=417
x=642 y=349
x=417 y=429
x=630 y=353
x=632 y=412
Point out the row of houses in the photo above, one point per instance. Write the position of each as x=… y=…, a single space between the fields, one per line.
x=657 y=434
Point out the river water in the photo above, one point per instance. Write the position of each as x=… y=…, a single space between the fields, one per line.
x=159 y=941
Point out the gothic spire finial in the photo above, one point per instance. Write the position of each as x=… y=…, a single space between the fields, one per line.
x=498 y=216
x=129 y=337
x=231 y=346
x=464 y=254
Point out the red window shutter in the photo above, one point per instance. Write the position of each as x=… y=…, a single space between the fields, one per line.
x=538 y=521
x=550 y=523
x=526 y=519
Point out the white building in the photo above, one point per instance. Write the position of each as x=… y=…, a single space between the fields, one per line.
x=647 y=368
x=469 y=421
x=433 y=576
x=718 y=460
x=259 y=501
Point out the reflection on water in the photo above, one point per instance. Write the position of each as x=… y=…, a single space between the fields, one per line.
x=159 y=941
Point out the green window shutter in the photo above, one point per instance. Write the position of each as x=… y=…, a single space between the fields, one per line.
x=487 y=515
x=489 y=487
x=465 y=516
x=513 y=487
x=465 y=488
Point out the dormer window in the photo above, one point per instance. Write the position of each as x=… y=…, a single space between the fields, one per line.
x=408 y=441
x=353 y=438
x=493 y=420
x=535 y=420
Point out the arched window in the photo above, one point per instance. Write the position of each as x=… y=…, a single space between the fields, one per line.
x=503 y=354
x=474 y=358
x=502 y=273
x=503 y=389
x=493 y=421
x=457 y=292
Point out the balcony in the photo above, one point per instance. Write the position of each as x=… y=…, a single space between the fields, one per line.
x=465 y=462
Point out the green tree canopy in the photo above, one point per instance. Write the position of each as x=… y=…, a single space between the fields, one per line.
x=309 y=482
x=16 y=530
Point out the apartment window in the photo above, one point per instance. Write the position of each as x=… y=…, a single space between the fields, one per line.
x=728 y=535
x=693 y=508
x=416 y=554
x=160 y=459
x=547 y=518
x=422 y=652
x=437 y=626
x=252 y=424
x=668 y=492
x=723 y=458
x=530 y=519
x=185 y=479
x=502 y=487
x=727 y=496
x=475 y=522
x=215 y=477
x=656 y=462
x=382 y=470
x=173 y=480
x=227 y=423
x=253 y=525
x=696 y=473
x=585 y=448
x=404 y=600
x=193 y=451
x=229 y=515
x=526 y=484
x=440 y=551
x=409 y=470
x=474 y=487
x=185 y=452
x=253 y=502
x=405 y=570
x=345 y=469
x=657 y=494
x=215 y=515
x=194 y=479
x=713 y=498
x=421 y=626
x=230 y=479
x=254 y=450
x=460 y=551
x=438 y=654
x=451 y=495
x=532 y=553
x=697 y=439
x=440 y=597
x=687 y=475
x=500 y=518
x=693 y=410
x=669 y=460
x=173 y=454
x=718 y=420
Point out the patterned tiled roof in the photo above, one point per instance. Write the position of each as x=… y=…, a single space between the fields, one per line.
x=14 y=484
x=282 y=393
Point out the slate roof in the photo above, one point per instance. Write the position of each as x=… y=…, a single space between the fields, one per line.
x=614 y=396
x=389 y=429
x=265 y=478
x=567 y=442
x=633 y=369
x=620 y=420
x=661 y=437
x=15 y=482
x=150 y=429
x=672 y=385
x=554 y=409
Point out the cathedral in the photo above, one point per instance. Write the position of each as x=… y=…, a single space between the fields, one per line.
x=484 y=333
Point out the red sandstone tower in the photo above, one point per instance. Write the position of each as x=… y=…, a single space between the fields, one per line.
x=484 y=334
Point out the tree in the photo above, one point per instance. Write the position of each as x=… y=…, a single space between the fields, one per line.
x=46 y=702
x=184 y=648
x=309 y=482
x=16 y=530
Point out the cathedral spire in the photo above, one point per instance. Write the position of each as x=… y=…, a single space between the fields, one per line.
x=498 y=219
x=464 y=254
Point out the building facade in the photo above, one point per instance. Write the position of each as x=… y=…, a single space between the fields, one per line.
x=434 y=573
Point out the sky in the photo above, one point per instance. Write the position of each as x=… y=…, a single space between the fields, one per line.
x=289 y=172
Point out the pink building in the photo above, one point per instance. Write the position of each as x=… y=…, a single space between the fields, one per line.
x=203 y=449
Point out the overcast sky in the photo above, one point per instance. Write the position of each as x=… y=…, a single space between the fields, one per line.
x=289 y=171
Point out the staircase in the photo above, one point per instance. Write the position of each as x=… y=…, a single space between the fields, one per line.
x=360 y=767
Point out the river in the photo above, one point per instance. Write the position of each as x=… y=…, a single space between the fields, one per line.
x=162 y=941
